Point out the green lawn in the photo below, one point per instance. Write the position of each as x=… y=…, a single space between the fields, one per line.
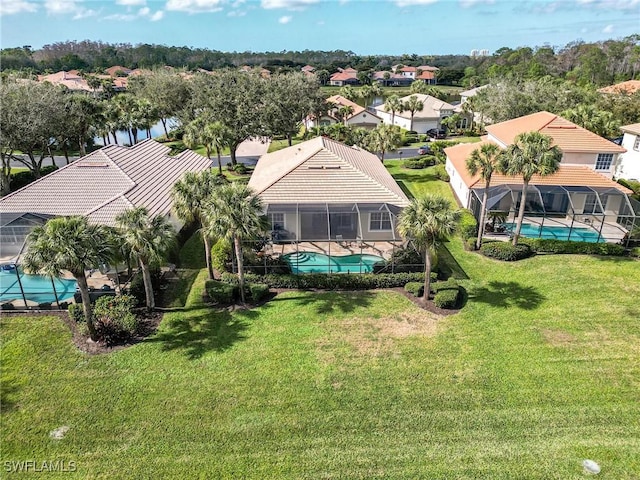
x=418 y=182
x=539 y=371
x=280 y=144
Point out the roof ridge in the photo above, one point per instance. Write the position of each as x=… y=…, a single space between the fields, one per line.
x=111 y=200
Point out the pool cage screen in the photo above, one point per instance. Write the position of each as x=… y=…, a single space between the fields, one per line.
x=609 y=213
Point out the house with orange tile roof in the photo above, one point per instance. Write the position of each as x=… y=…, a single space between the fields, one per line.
x=628 y=165
x=71 y=80
x=582 y=194
x=623 y=88
x=116 y=69
x=359 y=116
x=346 y=76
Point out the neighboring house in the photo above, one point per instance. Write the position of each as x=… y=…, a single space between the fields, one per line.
x=628 y=165
x=359 y=118
x=308 y=70
x=582 y=193
x=107 y=182
x=342 y=77
x=625 y=88
x=323 y=190
x=113 y=71
x=466 y=115
x=389 y=79
x=431 y=116
x=72 y=80
x=467 y=94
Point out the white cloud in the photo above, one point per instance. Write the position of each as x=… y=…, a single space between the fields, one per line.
x=144 y=11
x=86 y=13
x=608 y=29
x=610 y=4
x=288 y=4
x=131 y=3
x=159 y=15
x=473 y=3
x=55 y=7
x=236 y=13
x=410 y=3
x=10 y=7
x=286 y=19
x=194 y=6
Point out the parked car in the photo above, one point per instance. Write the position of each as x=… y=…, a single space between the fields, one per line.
x=437 y=133
x=424 y=150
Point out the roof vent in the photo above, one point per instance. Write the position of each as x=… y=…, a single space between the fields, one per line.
x=332 y=167
x=315 y=167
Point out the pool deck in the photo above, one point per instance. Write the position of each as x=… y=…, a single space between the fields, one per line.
x=381 y=249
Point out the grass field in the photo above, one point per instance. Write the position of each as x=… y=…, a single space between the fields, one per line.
x=539 y=371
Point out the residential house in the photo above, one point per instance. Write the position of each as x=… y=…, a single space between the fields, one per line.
x=308 y=70
x=581 y=194
x=389 y=79
x=324 y=191
x=624 y=88
x=429 y=117
x=460 y=108
x=342 y=77
x=115 y=70
x=71 y=80
x=628 y=165
x=360 y=117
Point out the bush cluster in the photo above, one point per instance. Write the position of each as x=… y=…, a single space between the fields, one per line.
x=468 y=225
x=239 y=168
x=415 y=288
x=114 y=318
x=258 y=291
x=543 y=245
x=221 y=255
x=505 y=251
x=440 y=173
x=635 y=252
x=447 y=299
x=323 y=281
x=76 y=313
x=225 y=293
x=416 y=163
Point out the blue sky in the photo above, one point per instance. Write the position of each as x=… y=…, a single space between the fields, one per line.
x=363 y=26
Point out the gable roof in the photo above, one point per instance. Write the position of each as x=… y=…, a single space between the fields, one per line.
x=322 y=170
x=565 y=134
x=472 y=91
x=112 y=71
x=108 y=181
x=344 y=75
x=432 y=107
x=566 y=176
x=628 y=87
x=634 y=128
x=341 y=101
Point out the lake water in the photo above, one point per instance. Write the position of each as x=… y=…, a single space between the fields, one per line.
x=123 y=137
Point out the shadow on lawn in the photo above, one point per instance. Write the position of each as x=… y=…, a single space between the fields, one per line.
x=507 y=294
x=448 y=266
x=336 y=302
x=201 y=330
x=7 y=394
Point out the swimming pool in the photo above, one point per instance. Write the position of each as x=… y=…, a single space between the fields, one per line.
x=37 y=288
x=557 y=233
x=311 y=262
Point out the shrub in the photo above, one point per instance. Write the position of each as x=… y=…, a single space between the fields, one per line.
x=221 y=255
x=440 y=173
x=635 y=252
x=239 y=168
x=7 y=306
x=220 y=292
x=543 y=245
x=76 y=313
x=415 y=288
x=115 y=320
x=468 y=225
x=416 y=163
x=365 y=281
x=505 y=251
x=447 y=299
x=258 y=291
x=450 y=284
x=470 y=244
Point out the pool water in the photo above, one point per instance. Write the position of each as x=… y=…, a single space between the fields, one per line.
x=311 y=262
x=557 y=233
x=37 y=288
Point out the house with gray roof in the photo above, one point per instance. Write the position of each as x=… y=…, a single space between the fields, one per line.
x=105 y=183
x=324 y=190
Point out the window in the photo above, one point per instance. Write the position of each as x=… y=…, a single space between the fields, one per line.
x=636 y=144
x=276 y=220
x=379 y=221
x=604 y=161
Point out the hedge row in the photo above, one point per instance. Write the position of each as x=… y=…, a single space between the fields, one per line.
x=323 y=281
x=542 y=245
x=505 y=251
x=447 y=299
x=225 y=293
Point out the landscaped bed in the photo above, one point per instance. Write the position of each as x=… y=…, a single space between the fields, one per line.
x=538 y=372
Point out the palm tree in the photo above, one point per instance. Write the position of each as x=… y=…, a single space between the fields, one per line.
x=412 y=106
x=531 y=153
x=393 y=105
x=384 y=138
x=213 y=135
x=72 y=244
x=426 y=220
x=484 y=161
x=235 y=213
x=147 y=239
x=344 y=112
x=190 y=195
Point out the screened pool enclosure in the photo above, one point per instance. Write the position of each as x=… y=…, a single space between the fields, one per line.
x=563 y=212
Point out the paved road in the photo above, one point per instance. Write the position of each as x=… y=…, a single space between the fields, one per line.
x=406 y=152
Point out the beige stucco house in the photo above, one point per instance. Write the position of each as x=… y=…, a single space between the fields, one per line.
x=359 y=116
x=429 y=117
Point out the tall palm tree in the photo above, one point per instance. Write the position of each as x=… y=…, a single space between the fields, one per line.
x=426 y=220
x=393 y=105
x=384 y=138
x=412 y=106
x=235 y=213
x=147 y=239
x=72 y=244
x=484 y=161
x=190 y=195
x=213 y=135
x=344 y=112
x=531 y=153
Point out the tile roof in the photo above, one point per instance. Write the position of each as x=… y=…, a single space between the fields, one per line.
x=633 y=128
x=342 y=101
x=323 y=170
x=473 y=91
x=567 y=175
x=112 y=71
x=432 y=107
x=71 y=80
x=342 y=76
x=108 y=181
x=426 y=76
x=565 y=134
x=628 y=87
